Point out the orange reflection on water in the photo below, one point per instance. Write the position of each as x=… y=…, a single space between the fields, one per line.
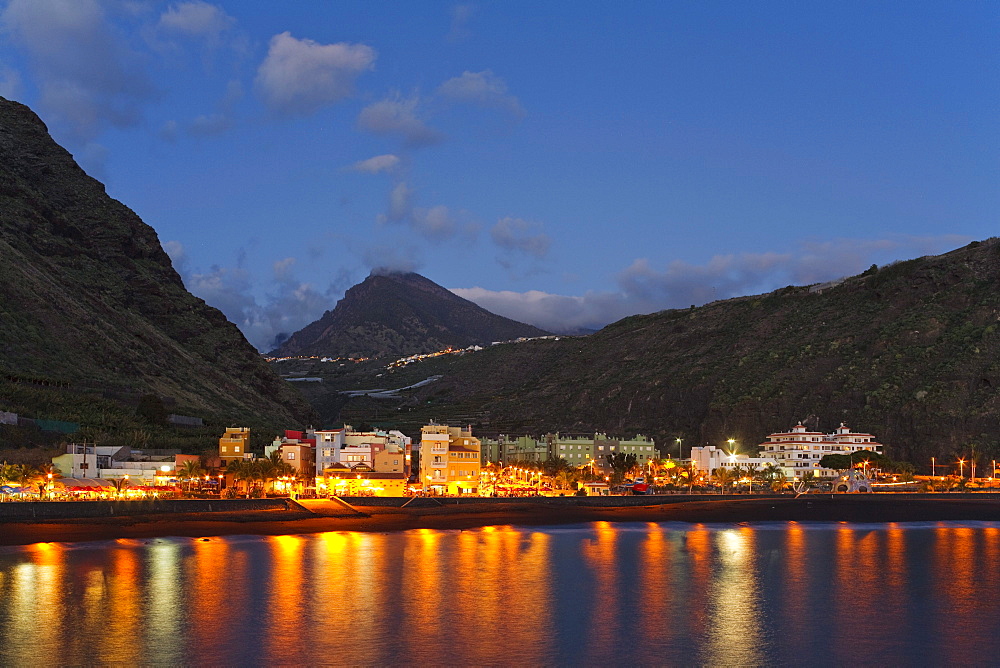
x=657 y=584
x=600 y=554
x=35 y=594
x=283 y=601
x=213 y=577
x=795 y=580
x=698 y=547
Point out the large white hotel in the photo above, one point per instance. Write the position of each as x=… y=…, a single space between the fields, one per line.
x=798 y=451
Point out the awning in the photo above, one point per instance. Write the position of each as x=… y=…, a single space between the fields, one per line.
x=84 y=483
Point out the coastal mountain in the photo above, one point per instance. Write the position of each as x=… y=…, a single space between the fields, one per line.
x=401 y=314
x=90 y=302
x=909 y=352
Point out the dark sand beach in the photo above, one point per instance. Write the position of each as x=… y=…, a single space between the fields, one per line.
x=327 y=516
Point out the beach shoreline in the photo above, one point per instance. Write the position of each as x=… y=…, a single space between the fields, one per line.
x=324 y=517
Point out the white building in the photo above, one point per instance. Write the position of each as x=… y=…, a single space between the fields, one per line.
x=709 y=458
x=112 y=462
x=798 y=451
x=351 y=448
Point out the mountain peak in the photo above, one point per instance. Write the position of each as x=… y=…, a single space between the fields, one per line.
x=401 y=313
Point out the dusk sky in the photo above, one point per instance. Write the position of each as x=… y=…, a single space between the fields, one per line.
x=562 y=163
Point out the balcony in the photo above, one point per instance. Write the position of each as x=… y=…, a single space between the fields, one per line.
x=439 y=449
x=439 y=465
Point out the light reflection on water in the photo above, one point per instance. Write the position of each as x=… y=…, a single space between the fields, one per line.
x=781 y=593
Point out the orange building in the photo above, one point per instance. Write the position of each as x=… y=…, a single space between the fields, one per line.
x=449 y=460
x=234 y=444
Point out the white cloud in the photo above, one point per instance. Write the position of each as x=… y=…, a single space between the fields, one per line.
x=87 y=74
x=643 y=288
x=460 y=17
x=389 y=259
x=197 y=19
x=554 y=313
x=519 y=235
x=436 y=223
x=400 y=203
x=299 y=76
x=483 y=89
x=10 y=83
x=265 y=318
x=211 y=124
x=377 y=164
x=398 y=116
x=168 y=131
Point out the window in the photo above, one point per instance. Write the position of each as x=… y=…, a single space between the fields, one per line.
x=291 y=456
x=236 y=448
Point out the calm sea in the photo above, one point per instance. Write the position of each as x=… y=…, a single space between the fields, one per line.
x=594 y=594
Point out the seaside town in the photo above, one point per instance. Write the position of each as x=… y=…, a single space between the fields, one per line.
x=449 y=461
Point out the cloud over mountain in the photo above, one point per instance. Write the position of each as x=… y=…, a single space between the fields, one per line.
x=87 y=73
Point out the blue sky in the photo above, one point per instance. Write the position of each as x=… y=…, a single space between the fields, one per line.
x=565 y=164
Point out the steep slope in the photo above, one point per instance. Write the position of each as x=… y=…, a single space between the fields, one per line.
x=89 y=298
x=401 y=314
x=910 y=352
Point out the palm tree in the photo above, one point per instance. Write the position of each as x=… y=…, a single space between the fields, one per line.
x=265 y=471
x=771 y=471
x=242 y=472
x=723 y=476
x=189 y=470
x=778 y=481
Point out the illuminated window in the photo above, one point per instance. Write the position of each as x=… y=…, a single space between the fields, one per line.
x=291 y=455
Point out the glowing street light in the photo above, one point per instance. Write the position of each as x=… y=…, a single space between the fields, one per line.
x=961 y=468
x=680 y=442
x=932 y=466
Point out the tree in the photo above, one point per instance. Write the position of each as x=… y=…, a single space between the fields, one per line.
x=778 y=481
x=189 y=470
x=553 y=466
x=242 y=472
x=723 y=476
x=620 y=463
x=837 y=462
x=151 y=409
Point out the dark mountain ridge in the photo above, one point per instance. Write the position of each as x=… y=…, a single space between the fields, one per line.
x=909 y=352
x=392 y=313
x=89 y=298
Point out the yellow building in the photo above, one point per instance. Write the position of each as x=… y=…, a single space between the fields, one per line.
x=449 y=460
x=234 y=444
x=338 y=480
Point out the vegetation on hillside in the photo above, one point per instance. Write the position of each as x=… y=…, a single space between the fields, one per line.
x=909 y=352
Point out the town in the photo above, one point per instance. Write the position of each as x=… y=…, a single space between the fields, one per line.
x=451 y=461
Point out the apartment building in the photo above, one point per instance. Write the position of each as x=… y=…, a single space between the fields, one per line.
x=449 y=460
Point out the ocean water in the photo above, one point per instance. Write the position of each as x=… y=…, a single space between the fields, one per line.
x=591 y=594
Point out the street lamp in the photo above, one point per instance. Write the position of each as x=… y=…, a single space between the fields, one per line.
x=932 y=466
x=731 y=442
x=961 y=468
x=680 y=442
